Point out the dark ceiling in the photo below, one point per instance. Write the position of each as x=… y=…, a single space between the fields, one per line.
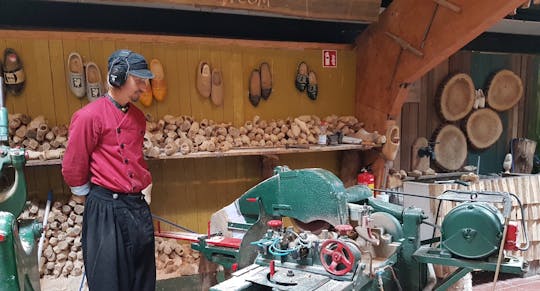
x=77 y=16
x=109 y=18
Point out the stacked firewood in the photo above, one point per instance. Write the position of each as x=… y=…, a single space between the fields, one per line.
x=62 y=254
x=41 y=140
x=184 y=134
x=175 y=258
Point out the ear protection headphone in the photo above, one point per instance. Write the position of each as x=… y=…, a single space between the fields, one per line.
x=118 y=72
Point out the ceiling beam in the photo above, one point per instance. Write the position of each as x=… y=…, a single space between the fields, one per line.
x=411 y=38
x=333 y=10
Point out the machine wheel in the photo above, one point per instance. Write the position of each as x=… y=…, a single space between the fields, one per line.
x=389 y=223
x=336 y=257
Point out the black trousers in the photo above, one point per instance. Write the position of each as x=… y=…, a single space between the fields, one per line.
x=118 y=242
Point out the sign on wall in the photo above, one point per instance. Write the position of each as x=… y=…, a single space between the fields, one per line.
x=329 y=58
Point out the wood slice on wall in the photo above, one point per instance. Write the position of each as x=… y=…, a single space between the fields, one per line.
x=456 y=97
x=505 y=90
x=483 y=127
x=450 y=147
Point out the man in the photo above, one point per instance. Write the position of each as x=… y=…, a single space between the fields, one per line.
x=104 y=166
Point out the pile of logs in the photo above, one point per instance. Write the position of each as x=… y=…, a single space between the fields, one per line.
x=174 y=258
x=184 y=134
x=41 y=141
x=62 y=254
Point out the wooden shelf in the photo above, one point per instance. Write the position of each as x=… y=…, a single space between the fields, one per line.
x=236 y=153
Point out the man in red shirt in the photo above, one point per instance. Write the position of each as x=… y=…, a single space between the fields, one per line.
x=104 y=165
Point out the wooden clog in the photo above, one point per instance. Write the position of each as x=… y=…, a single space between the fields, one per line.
x=159 y=85
x=217 y=87
x=146 y=96
x=312 y=86
x=301 y=77
x=255 y=87
x=266 y=80
x=204 y=79
x=94 y=87
x=76 y=78
x=14 y=77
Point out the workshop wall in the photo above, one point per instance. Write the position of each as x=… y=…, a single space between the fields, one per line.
x=419 y=117
x=185 y=191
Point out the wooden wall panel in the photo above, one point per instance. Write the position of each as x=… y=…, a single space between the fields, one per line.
x=481 y=66
x=185 y=191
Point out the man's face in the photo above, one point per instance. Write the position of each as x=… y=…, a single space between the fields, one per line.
x=134 y=87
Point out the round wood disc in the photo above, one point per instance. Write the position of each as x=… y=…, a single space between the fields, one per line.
x=484 y=127
x=450 y=147
x=505 y=90
x=456 y=98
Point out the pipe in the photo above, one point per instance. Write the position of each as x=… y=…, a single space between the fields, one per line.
x=523 y=226
x=431 y=280
x=171 y=223
x=45 y=218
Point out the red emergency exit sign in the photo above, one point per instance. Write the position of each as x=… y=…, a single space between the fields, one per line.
x=329 y=58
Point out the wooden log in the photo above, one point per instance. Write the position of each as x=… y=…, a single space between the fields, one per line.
x=523 y=153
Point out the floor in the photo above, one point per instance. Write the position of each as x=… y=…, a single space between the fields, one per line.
x=531 y=283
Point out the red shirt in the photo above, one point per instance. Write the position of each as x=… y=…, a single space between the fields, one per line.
x=105 y=147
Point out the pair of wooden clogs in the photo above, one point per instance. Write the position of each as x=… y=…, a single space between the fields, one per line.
x=210 y=83
x=260 y=84
x=84 y=79
x=306 y=80
x=156 y=87
x=12 y=71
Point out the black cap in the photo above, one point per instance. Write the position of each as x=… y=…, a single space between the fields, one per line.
x=134 y=63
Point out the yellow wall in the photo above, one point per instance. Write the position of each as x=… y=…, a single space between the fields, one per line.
x=186 y=191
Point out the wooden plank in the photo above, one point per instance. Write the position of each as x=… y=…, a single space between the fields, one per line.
x=352 y=10
x=60 y=90
x=236 y=87
x=378 y=55
x=409 y=121
x=513 y=118
x=228 y=82
x=186 y=79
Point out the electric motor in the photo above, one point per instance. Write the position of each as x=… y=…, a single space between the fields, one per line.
x=472 y=230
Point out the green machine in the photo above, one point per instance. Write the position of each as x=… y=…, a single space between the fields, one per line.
x=345 y=239
x=18 y=254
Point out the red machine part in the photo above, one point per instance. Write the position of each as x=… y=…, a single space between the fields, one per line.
x=510 y=243
x=274 y=224
x=336 y=257
x=272 y=268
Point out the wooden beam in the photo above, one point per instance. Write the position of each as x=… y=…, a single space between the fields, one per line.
x=351 y=10
x=386 y=67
